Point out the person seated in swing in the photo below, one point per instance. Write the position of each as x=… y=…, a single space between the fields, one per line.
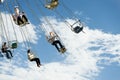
x=32 y=57
x=53 y=39
x=5 y=49
x=19 y=17
x=52 y=4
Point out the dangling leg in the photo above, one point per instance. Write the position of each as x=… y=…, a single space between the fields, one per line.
x=19 y=20
x=62 y=48
x=10 y=53
x=7 y=55
x=38 y=62
x=24 y=18
x=55 y=44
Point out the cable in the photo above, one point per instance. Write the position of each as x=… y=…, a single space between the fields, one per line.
x=45 y=18
x=15 y=33
x=4 y=28
x=23 y=37
x=68 y=10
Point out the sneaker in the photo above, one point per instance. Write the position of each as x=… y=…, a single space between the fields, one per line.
x=62 y=50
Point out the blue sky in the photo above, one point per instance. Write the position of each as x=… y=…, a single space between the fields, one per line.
x=100 y=17
x=103 y=14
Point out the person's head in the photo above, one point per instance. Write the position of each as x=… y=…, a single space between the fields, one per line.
x=51 y=33
x=16 y=9
x=4 y=43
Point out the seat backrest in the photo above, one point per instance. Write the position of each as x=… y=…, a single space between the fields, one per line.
x=14 y=45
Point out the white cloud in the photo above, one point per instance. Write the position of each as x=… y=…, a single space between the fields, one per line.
x=84 y=52
x=28 y=31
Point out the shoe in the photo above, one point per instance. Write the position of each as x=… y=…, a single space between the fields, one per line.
x=38 y=65
x=62 y=50
x=27 y=22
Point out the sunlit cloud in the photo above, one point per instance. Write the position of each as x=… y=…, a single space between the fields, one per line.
x=85 y=51
x=15 y=32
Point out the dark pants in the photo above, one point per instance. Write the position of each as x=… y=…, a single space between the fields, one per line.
x=19 y=20
x=37 y=61
x=55 y=44
x=23 y=16
x=8 y=54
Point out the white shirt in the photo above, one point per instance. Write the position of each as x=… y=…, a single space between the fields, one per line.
x=31 y=56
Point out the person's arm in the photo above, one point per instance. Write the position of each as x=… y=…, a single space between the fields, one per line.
x=6 y=47
x=13 y=16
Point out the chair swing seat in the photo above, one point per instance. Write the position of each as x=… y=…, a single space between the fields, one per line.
x=52 y=5
x=13 y=44
x=24 y=24
x=77 y=29
x=19 y=23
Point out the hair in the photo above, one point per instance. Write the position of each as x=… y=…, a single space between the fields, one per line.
x=16 y=7
x=28 y=51
x=51 y=33
x=4 y=43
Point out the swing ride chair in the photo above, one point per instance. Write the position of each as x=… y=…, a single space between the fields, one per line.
x=12 y=44
x=52 y=4
x=23 y=22
x=77 y=29
x=21 y=18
